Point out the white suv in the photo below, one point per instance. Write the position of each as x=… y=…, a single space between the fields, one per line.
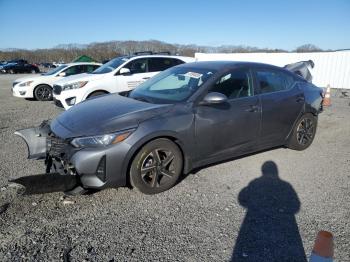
x=40 y=87
x=118 y=75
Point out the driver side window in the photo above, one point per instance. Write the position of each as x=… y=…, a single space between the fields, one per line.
x=235 y=84
x=73 y=70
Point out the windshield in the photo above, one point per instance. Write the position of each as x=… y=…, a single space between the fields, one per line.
x=55 y=70
x=173 y=85
x=111 y=65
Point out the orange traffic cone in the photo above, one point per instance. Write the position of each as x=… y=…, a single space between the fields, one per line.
x=323 y=248
x=327 y=97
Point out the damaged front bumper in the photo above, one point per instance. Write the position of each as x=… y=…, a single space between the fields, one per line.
x=89 y=165
x=35 y=139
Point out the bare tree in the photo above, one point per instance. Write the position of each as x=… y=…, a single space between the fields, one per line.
x=107 y=50
x=308 y=48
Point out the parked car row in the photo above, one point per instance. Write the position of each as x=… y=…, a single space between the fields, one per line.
x=71 y=84
x=186 y=117
x=18 y=66
x=40 y=87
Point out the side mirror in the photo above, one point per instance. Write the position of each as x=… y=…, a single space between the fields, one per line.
x=62 y=74
x=214 y=98
x=125 y=71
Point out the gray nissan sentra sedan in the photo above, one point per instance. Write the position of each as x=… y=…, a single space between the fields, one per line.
x=186 y=117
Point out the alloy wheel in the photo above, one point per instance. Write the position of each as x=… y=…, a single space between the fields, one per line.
x=158 y=168
x=305 y=131
x=43 y=93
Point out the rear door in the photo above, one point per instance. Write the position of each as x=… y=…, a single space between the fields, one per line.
x=158 y=64
x=231 y=128
x=282 y=102
x=90 y=68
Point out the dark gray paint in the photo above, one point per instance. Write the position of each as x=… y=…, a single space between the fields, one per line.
x=205 y=133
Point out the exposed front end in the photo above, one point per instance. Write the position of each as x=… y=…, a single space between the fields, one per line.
x=95 y=167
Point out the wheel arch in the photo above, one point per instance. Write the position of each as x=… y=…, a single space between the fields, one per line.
x=137 y=147
x=306 y=110
x=95 y=91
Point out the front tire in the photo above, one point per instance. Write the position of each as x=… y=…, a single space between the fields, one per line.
x=157 y=166
x=43 y=93
x=303 y=132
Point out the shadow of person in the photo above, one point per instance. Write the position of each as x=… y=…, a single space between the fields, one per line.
x=269 y=231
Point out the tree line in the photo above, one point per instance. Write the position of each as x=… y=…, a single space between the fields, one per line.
x=107 y=50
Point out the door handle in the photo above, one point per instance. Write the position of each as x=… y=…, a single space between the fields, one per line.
x=253 y=108
x=146 y=78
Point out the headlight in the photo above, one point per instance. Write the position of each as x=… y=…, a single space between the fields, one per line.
x=26 y=83
x=101 y=140
x=75 y=85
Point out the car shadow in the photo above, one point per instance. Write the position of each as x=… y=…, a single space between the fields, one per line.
x=269 y=231
x=46 y=183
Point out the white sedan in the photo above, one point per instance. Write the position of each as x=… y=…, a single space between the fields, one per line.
x=118 y=75
x=40 y=87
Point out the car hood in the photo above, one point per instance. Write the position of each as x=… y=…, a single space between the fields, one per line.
x=79 y=77
x=103 y=115
x=30 y=78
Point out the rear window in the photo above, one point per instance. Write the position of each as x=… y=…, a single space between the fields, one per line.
x=273 y=81
x=160 y=64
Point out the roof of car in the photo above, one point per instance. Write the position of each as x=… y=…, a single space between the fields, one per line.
x=220 y=65
x=155 y=55
x=83 y=63
x=162 y=56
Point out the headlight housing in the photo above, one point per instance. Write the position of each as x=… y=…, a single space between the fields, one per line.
x=28 y=83
x=101 y=140
x=74 y=85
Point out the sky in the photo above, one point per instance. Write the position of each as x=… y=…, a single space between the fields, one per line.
x=261 y=23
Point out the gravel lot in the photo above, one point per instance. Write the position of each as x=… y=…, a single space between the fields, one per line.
x=212 y=215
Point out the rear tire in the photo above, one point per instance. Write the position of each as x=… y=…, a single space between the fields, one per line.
x=157 y=166
x=303 y=132
x=43 y=93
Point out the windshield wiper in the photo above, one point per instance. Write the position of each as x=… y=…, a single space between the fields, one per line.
x=142 y=99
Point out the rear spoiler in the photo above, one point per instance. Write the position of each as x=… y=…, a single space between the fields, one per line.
x=302 y=69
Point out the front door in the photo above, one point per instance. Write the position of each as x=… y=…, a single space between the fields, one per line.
x=230 y=128
x=139 y=73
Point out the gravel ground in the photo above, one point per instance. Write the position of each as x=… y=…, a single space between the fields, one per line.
x=217 y=214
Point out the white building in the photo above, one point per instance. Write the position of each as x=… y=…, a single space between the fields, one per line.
x=331 y=68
